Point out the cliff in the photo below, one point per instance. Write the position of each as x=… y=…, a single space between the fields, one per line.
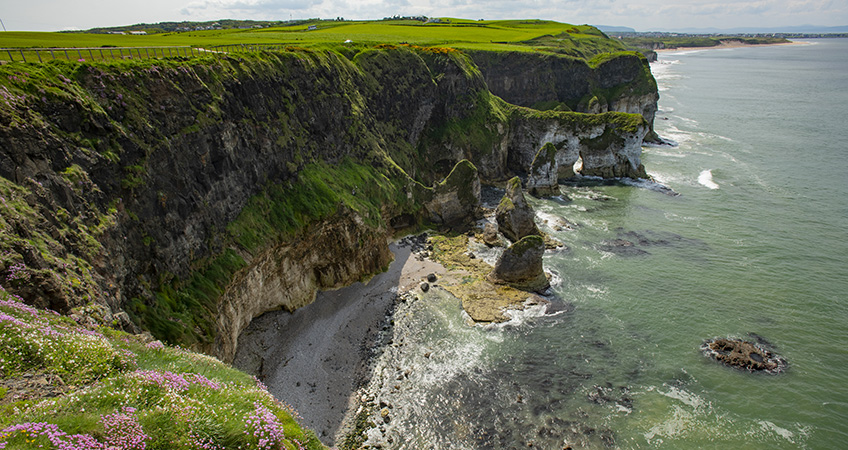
x=189 y=196
x=619 y=81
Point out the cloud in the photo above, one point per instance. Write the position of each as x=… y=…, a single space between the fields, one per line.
x=251 y=7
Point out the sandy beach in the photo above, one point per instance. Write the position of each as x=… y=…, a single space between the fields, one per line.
x=315 y=358
x=725 y=45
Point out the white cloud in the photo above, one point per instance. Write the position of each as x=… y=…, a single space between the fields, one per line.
x=249 y=8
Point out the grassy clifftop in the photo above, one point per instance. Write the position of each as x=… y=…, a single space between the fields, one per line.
x=64 y=384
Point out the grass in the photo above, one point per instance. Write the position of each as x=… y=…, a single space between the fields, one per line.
x=494 y=35
x=124 y=393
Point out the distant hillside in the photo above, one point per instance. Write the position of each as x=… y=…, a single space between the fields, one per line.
x=611 y=29
x=170 y=27
x=763 y=30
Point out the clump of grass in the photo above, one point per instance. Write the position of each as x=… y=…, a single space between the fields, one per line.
x=132 y=395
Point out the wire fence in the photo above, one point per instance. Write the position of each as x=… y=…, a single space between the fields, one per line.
x=83 y=54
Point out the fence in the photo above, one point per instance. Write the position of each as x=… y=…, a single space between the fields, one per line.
x=103 y=53
x=96 y=53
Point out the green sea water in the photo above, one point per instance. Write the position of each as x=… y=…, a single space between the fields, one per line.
x=754 y=247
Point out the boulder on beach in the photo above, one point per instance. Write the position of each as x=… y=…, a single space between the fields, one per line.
x=516 y=219
x=744 y=355
x=520 y=265
x=490 y=235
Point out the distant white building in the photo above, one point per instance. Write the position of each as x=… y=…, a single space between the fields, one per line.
x=138 y=33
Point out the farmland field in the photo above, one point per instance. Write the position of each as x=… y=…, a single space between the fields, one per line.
x=513 y=35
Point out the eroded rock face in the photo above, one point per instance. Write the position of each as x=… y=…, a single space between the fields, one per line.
x=608 y=145
x=520 y=265
x=542 y=180
x=456 y=200
x=330 y=255
x=744 y=355
x=625 y=82
x=515 y=217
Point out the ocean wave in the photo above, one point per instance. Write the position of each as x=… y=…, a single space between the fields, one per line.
x=706 y=179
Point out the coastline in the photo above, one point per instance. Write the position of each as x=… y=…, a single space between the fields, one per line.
x=726 y=45
x=318 y=357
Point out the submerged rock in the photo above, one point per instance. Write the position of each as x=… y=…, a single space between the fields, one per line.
x=516 y=219
x=744 y=355
x=520 y=265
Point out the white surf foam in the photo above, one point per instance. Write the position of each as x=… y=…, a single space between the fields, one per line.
x=706 y=179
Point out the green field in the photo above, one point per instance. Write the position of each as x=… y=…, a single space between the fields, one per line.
x=512 y=35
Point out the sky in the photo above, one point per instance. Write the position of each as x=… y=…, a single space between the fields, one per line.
x=642 y=15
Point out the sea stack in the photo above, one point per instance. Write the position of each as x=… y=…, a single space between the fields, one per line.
x=515 y=217
x=520 y=265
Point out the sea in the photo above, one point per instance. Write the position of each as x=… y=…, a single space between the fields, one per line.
x=742 y=233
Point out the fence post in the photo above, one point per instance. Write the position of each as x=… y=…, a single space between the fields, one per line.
x=22 y=55
x=101 y=54
x=66 y=55
x=148 y=53
x=52 y=55
x=120 y=53
x=79 y=53
x=91 y=55
x=10 y=56
x=111 y=55
x=39 y=56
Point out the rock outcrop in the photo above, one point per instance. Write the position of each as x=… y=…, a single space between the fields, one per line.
x=456 y=200
x=516 y=219
x=744 y=355
x=603 y=145
x=619 y=82
x=543 y=178
x=520 y=265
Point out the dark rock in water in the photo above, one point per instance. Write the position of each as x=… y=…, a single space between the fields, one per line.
x=516 y=219
x=520 y=265
x=744 y=355
x=622 y=247
x=425 y=287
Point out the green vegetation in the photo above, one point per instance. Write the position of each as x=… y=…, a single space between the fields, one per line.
x=121 y=392
x=184 y=311
x=496 y=35
x=282 y=211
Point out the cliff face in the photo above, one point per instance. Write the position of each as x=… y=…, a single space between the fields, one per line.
x=610 y=82
x=198 y=194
